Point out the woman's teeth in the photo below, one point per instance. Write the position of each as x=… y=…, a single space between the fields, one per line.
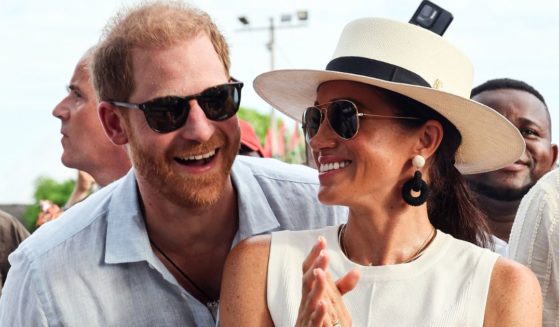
x=333 y=165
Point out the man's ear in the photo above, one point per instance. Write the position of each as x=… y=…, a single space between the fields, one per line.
x=553 y=156
x=430 y=137
x=113 y=123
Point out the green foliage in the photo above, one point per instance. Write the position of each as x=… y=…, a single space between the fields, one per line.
x=47 y=189
x=260 y=122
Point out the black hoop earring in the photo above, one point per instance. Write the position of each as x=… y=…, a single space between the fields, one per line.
x=417 y=184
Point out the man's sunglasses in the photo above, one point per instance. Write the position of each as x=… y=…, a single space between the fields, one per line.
x=343 y=118
x=167 y=114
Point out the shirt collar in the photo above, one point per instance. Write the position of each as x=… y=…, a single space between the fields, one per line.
x=127 y=240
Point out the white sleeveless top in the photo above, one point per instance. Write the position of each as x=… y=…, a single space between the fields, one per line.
x=446 y=286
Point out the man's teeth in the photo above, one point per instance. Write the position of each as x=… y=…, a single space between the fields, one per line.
x=333 y=165
x=200 y=156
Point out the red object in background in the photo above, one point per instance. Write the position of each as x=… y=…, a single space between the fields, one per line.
x=49 y=211
x=294 y=140
x=250 y=139
x=280 y=140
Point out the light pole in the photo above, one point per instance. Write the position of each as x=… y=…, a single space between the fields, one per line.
x=302 y=18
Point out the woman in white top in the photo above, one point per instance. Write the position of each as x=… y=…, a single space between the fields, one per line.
x=391 y=129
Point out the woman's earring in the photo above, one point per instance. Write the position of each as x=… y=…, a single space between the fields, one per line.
x=417 y=184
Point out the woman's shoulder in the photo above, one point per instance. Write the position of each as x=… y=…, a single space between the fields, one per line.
x=511 y=276
x=244 y=277
x=514 y=296
x=246 y=265
x=254 y=248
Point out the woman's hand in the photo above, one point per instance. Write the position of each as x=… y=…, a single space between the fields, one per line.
x=321 y=302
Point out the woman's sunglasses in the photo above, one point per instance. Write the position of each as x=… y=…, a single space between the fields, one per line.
x=167 y=114
x=343 y=118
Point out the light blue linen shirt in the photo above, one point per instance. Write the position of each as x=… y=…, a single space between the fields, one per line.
x=94 y=266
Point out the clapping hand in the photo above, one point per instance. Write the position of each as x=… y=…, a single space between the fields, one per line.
x=321 y=303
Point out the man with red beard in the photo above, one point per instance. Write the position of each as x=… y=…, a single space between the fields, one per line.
x=149 y=249
x=499 y=192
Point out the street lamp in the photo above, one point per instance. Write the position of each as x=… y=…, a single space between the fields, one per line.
x=302 y=15
x=243 y=20
x=285 y=19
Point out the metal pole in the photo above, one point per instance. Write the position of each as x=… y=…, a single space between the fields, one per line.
x=271 y=47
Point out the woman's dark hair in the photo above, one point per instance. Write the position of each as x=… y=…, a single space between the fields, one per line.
x=451 y=206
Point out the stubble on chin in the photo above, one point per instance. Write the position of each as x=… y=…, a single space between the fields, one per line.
x=181 y=189
x=499 y=193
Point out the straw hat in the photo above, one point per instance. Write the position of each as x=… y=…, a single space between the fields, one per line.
x=414 y=62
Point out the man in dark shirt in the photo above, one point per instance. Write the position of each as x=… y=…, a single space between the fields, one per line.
x=12 y=232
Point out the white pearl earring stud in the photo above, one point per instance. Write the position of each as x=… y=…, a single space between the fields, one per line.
x=418 y=161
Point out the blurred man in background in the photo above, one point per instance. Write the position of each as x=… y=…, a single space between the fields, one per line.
x=12 y=232
x=86 y=146
x=499 y=192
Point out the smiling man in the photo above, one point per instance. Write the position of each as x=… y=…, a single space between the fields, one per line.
x=499 y=192
x=149 y=249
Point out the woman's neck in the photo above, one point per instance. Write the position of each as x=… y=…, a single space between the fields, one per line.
x=386 y=236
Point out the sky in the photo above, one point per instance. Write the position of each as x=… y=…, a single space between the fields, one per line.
x=43 y=40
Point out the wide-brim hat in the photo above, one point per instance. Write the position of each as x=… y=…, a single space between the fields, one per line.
x=412 y=61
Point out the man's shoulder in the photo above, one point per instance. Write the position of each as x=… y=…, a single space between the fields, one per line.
x=6 y=217
x=11 y=227
x=285 y=193
x=548 y=184
x=74 y=223
x=542 y=197
x=273 y=169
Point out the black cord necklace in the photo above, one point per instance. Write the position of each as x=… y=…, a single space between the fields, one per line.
x=211 y=303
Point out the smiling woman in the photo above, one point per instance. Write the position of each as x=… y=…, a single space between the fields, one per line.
x=392 y=130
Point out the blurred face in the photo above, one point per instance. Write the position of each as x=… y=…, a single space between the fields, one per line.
x=190 y=165
x=529 y=115
x=83 y=138
x=369 y=166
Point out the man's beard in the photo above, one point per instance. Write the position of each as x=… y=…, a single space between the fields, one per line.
x=500 y=193
x=182 y=189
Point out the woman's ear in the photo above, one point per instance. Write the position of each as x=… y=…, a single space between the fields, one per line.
x=113 y=123
x=430 y=137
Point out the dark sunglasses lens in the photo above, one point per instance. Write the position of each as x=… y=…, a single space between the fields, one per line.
x=311 y=122
x=342 y=116
x=220 y=102
x=166 y=114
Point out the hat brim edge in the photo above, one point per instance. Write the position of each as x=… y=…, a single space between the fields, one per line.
x=489 y=141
